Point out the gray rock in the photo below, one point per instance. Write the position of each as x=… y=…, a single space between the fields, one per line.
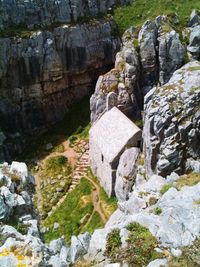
x=158 y=263
x=167 y=151
x=126 y=173
x=51 y=71
x=176 y=252
x=194 y=19
x=79 y=246
x=35 y=14
x=56 y=245
x=194 y=45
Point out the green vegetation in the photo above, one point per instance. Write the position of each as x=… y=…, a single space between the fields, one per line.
x=157 y=211
x=140 y=248
x=108 y=204
x=165 y=188
x=152 y=201
x=70 y=213
x=141 y=10
x=79 y=115
x=95 y=223
x=55 y=179
x=19 y=226
x=113 y=242
x=190 y=256
x=189 y=179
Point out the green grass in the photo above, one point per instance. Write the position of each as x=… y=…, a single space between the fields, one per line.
x=77 y=204
x=141 y=10
x=108 y=204
x=165 y=188
x=54 y=167
x=140 y=248
x=95 y=223
x=113 y=242
x=189 y=179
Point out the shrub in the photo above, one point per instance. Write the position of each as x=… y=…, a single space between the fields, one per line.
x=72 y=139
x=157 y=211
x=152 y=201
x=113 y=242
x=140 y=248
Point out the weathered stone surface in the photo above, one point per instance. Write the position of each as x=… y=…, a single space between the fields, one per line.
x=123 y=81
x=43 y=75
x=194 y=45
x=194 y=19
x=39 y=14
x=144 y=61
x=148 y=42
x=126 y=173
x=172 y=120
x=79 y=246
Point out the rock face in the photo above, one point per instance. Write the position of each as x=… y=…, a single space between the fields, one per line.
x=44 y=13
x=172 y=119
x=126 y=173
x=43 y=75
x=145 y=59
x=123 y=82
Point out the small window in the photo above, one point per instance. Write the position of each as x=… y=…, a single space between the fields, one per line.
x=139 y=143
x=102 y=158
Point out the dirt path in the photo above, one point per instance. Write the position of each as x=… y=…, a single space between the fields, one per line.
x=96 y=200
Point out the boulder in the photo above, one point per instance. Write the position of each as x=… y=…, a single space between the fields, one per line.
x=126 y=173
x=79 y=246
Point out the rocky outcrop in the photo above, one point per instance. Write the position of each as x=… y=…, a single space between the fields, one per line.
x=194 y=43
x=126 y=173
x=21 y=243
x=122 y=81
x=146 y=59
x=171 y=130
x=43 y=75
x=45 y=13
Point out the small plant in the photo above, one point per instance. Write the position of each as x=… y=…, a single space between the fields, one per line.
x=113 y=242
x=140 y=248
x=190 y=256
x=157 y=211
x=15 y=177
x=165 y=188
x=152 y=201
x=189 y=179
x=72 y=139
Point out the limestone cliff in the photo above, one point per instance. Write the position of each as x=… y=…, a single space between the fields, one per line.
x=41 y=76
x=33 y=13
x=171 y=130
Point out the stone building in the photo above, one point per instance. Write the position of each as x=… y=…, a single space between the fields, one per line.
x=109 y=138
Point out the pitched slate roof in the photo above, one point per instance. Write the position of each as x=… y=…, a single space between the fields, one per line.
x=112 y=132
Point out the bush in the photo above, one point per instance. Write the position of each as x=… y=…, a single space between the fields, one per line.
x=113 y=242
x=140 y=248
x=157 y=211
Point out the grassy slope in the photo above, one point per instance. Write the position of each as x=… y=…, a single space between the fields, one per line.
x=70 y=212
x=141 y=10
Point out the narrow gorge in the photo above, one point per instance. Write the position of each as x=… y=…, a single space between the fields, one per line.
x=99 y=133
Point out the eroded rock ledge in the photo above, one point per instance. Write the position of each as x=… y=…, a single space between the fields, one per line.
x=44 y=13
